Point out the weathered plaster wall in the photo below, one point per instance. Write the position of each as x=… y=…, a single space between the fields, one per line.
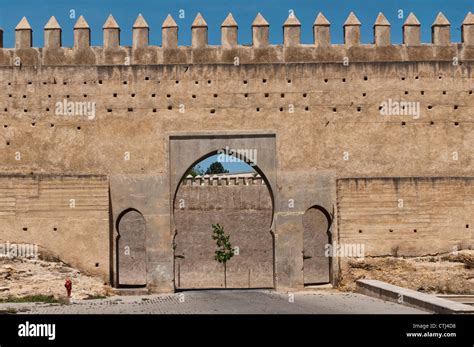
x=406 y=216
x=66 y=216
x=245 y=212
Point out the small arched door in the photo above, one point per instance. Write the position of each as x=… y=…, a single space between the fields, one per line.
x=315 y=238
x=131 y=249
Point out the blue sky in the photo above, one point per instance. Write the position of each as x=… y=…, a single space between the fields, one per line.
x=233 y=167
x=214 y=11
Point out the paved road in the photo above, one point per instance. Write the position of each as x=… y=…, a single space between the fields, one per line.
x=224 y=302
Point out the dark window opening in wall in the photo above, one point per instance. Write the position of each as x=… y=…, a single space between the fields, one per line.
x=222 y=188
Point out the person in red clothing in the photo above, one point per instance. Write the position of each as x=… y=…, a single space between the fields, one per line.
x=68 y=285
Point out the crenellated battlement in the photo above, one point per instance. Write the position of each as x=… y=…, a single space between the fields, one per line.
x=231 y=52
x=223 y=180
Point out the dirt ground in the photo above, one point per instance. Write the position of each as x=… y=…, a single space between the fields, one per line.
x=21 y=277
x=441 y=274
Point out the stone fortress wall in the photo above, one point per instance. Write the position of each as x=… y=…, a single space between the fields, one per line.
x=317 y=107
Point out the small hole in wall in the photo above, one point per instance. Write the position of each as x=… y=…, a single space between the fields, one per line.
x=246 y=95
x=215 y=95
x=281 y=109
x=177 y=82
x=78 y=128
x=193 y=96
x=470 y=92
x=170 y=107
x=49 y=96
x=154 y=110
x=456 y=124
x=305 y=95
x=390 y=230
x=45 y=83
x=33 y=124
x=9 y=95
x=282 y=95
x=289 y=81
x=403 y=78
x=147 y=78
x=213 y=111
x=403 y=124
x=196 y=82
x=85 y=95
x=51 y=125
x=467 y=226
x=366 y=78
x=359 y=109
x=455 y=107
x=25 y=229
x=209 y=82
x=406 y=92
x=414 y=230
x=24 y=96
x=5 y=109
x=8 y=143
x=444 y=92
x=133 y=95
x=430 y=107
x=96 y=264
x=64 y=83
x=267 y=95
x=115 y=95
x=85 y=82
x=264 y=80
x=325 y=80
x=416 y=77
x=343 y=80
x=5 y=126
x=334 y=109
x=364 y=94
x=153 y=95
x=9 y=83
x=245 y=82
x=25 y=110
x=422 y=92
x=168 y=95
x=360 y=231
x=67 y=96
x=431 y=123
x=306 y=108
x=258 y=109
x=130 y=109
x=47 y=109
x=440 y=77
x=109 y=110
x=55 y=229
x=125 y=82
